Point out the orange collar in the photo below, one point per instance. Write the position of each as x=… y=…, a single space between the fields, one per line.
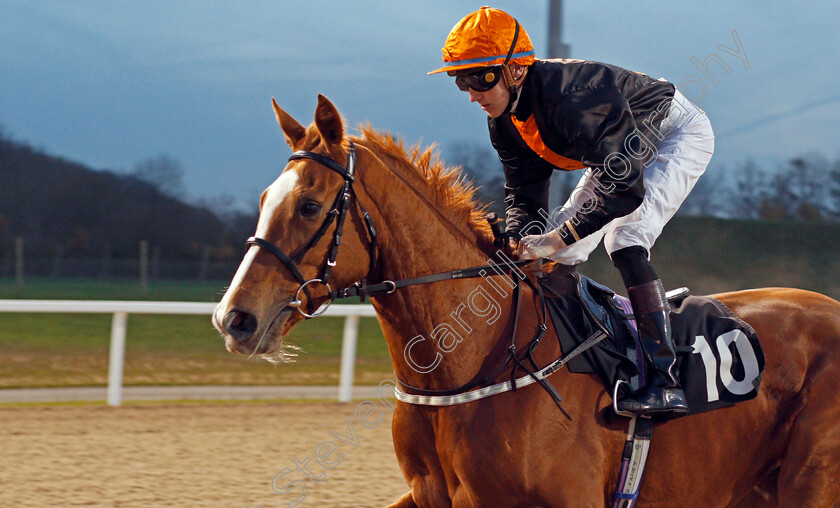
x=531 y=134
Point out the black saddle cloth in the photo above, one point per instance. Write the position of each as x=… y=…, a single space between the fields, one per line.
x=719 y=356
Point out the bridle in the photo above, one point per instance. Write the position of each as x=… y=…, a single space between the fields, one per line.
x=337 y=213
x=340 y=206
x=361 y=288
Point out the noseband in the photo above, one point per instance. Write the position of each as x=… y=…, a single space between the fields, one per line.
x=338 y=213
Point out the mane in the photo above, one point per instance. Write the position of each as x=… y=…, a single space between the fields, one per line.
x=448 y=188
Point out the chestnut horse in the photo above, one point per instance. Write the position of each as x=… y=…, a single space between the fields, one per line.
x=515 y=449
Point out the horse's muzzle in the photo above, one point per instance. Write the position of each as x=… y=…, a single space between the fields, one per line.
x=240 y=325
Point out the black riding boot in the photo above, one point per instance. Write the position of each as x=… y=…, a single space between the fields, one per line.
x=662 y=393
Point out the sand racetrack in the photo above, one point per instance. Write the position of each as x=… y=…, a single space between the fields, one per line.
x=219 y=455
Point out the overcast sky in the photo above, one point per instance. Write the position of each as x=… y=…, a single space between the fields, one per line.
x=109 y=83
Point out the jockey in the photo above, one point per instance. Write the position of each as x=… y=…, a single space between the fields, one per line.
x=642 y=144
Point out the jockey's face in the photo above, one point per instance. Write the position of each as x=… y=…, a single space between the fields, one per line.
x=493 y=101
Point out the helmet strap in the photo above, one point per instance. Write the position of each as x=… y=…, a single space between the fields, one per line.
x=506 y=74
x=514 y=89
x=510 y=80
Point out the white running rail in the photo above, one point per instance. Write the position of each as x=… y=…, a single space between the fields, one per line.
x=121 y=310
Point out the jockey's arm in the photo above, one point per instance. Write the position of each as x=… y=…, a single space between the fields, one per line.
x=600 y=123
x=526 y=193
x=527 y=178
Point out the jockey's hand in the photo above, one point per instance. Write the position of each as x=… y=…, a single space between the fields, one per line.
x=513 y=243
x=540 y=246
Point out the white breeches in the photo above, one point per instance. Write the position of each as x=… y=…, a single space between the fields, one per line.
x=678 y=161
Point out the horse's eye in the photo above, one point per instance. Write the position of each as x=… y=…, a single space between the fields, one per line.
x=309 y=208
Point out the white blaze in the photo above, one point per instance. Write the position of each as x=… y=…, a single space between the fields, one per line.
x=276 y=194
x=274 y=197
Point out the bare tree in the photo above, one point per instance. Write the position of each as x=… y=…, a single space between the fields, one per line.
x=809 y=176
x=482 y=165
x=779 y=203
x=750 y=191
x=704 y=199
x=834 y=187
x=477 y=161
x=164 y=172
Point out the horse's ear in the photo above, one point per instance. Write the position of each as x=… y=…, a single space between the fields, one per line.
x=328 y=121
x=293 y=131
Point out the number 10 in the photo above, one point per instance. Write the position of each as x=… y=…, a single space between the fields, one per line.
x=745 y=351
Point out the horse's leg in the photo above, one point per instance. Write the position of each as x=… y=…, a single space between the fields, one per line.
x=811 y=465
x=406 y=501
x=414 y=444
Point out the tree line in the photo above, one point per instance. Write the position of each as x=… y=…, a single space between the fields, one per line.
x=803 y=188
x=65 y=209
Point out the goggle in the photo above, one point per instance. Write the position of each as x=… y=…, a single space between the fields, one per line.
x=480 y=80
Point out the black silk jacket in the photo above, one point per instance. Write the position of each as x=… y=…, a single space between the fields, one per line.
x=587 y=114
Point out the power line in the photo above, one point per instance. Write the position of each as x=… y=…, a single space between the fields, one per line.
x=793 y=111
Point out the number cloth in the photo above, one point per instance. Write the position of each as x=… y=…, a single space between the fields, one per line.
x=720 y=357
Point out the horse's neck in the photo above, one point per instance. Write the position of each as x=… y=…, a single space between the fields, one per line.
x=441 y=334
x=415 y=237
x=444 y=334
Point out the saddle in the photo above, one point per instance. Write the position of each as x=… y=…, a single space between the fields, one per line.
x=719 y=355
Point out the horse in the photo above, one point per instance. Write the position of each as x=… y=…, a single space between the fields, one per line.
x=406 y=215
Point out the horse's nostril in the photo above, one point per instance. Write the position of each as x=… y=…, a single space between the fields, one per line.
x=240 y=325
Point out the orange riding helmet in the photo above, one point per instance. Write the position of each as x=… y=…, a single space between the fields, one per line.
x=486 y=37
